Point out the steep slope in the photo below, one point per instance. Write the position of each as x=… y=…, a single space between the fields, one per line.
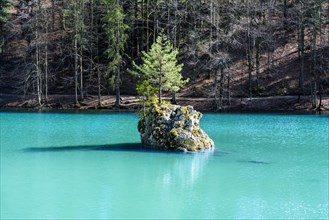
x=17 y=65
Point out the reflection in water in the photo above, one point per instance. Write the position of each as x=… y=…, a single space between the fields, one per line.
x=125 y=174
x=186 y=167
x=185 y=170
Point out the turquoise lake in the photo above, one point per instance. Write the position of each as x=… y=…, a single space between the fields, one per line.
x=91 y=166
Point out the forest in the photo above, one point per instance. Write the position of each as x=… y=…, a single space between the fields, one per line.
x=227 y=48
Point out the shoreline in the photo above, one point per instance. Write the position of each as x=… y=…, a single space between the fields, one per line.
x=66 y=103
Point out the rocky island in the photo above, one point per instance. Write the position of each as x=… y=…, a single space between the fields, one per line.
x=173 y=127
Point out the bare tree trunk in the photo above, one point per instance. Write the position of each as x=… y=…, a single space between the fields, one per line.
x=211 y=22
x=173 y=100
x=117 y=89
x=81 y=8
x=156 y=21
x=81 y=72
x=147 y=26
x=257 y=62
x=216 y=91
x=118 y=73
x=99 y=85
x=2 y=36
x=118 y=76
x=97 y=54
x=270 y=46
x=314 y=64
x=37 y=55
x=175 y=28
x=37 y=65
x=249 y=51
x=92 y=64
x=76 y=53
x=229 y=89
x=46 y=64
x=53 y=12
x=168 y=20
x=221 y=87
x=322 y=60
x=250 y=65
x=160 y=85
x=285 y=14
x=301 y=45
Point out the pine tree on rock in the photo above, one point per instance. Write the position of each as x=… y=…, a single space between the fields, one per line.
x=160 y=69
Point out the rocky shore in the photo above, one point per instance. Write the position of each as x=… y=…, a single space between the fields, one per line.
x=286 y=104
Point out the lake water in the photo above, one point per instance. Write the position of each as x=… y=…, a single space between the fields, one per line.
x=91 y=166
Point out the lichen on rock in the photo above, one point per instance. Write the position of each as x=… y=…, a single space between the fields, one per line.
x=173 y=127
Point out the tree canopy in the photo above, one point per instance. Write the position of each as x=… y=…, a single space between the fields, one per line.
x=4 y=15
x=159 y=69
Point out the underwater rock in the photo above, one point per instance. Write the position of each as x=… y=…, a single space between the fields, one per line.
x=173 y=127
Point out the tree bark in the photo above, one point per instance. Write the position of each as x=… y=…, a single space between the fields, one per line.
x=250 y=65
x=46 y=63
x=249 y=51
x=53 y=12
x=81 y=23
x=301 y=45
x=174 y=101
x=229 y=89
x=257 y=62
x=216 y=91
x=160 y=85
x=76 y=53
x=81 y=73
x=37 y=51
x=221 y=87
x=117 y=88
x=285 y=14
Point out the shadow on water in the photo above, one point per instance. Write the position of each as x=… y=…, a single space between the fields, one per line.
x=253 y=162
x=133 y=147
x=219 y=153
x=187 y=169
x=126 y=147
x=123 y=147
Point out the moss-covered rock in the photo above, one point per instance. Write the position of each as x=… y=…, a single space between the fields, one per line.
x=173 y=127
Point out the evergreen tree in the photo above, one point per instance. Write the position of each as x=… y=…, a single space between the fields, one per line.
x=4 y=6
x=160 y=69
x=74 y=31
x=116 y=29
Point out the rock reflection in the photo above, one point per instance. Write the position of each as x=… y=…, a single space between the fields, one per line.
x=185 y=170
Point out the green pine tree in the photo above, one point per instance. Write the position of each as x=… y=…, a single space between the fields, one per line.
x=116 y=32
x=159 y=71
x=4 y=15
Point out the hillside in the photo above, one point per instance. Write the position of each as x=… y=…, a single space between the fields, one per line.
x=237 y=53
